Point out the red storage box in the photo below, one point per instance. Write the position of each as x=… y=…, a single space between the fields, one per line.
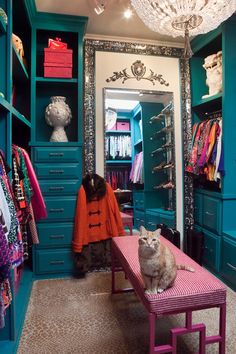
x=56 y=70
x=58 y=63
x=122 y=126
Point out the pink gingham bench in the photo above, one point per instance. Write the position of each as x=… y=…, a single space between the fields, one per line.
x=191 y=292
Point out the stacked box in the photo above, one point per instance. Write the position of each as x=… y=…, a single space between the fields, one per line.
x=58 y=63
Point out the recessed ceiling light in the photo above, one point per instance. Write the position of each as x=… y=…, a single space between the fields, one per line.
x=128 y=13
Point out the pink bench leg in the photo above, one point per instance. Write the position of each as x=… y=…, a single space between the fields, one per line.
x=222 y=328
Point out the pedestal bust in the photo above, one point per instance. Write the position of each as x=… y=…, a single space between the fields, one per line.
x=58 y=115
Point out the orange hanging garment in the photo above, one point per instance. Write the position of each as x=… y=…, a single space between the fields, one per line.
x=96 y=220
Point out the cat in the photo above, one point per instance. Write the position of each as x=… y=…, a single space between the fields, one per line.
x=157 y=262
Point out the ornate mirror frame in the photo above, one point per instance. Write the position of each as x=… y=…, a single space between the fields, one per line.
x=91 y=46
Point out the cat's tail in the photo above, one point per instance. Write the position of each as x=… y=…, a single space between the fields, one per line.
x=184 y=267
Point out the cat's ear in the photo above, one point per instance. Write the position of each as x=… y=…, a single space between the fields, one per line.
x=157 y=233
x=143 y=231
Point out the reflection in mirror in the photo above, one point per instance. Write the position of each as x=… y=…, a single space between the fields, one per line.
x=140 y=154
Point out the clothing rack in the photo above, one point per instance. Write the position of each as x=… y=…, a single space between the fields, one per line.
x=214 y=115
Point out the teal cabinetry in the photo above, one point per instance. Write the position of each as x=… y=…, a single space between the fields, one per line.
x=228 y=268
x=53 y=261
x=15 y=127
x=215 y=202
x=58 y=165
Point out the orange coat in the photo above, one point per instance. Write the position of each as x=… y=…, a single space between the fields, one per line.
x=96 y=220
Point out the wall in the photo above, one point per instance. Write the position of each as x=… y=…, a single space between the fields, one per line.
x=106 y=64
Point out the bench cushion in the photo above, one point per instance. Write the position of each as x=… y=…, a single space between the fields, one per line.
x=190 y=291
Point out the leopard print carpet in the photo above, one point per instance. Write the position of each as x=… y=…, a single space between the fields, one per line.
x=79 y=316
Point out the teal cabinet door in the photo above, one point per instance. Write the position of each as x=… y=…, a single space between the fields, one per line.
x=58 y=171
x=212 y=217
x=59 y=187
x=139 y=219
x=55 y=234
x=228 y=268
x=54 y=261
x=151 y=221
x=57 y=154
x=138 y=199
x=198 y=201
x=211 y=252
x=60 y=208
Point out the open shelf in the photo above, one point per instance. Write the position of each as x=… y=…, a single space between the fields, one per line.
x=52 y=79
x=3 y=26
x=52 y=144
x=118 y=131
x=19 y=116
x=208 y=104
x=5 y=104
x=19 y=70
x=118 y=161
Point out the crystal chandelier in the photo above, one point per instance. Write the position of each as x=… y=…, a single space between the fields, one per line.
x=183 y=17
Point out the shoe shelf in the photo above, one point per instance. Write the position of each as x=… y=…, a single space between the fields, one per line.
x=19 y=70
x=163 y=138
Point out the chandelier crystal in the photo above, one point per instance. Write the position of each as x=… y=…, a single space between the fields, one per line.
x=183 y=17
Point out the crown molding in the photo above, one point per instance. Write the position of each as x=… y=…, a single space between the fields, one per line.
x=133 y=40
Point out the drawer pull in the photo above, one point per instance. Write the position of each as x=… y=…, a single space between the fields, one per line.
x=55 y=237
x=56 y=262
x=208 y=249
x=56 y=172
x=56 y=188
x=231 y=266
x=56 y=210
x=208 y=213
x=59 y=154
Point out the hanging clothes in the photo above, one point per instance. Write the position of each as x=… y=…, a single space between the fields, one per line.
x=206 y=150
x=17 y=222
x=97 y=214
x=136 y=174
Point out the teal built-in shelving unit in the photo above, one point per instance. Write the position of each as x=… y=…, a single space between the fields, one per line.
x=25 y=93
x=215 y=207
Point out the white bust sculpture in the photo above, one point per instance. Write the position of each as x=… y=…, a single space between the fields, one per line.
x=58 y=115
x=213 y=67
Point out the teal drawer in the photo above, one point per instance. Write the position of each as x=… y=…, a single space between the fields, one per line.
x=60 y=209
x=58 y=171
x=53 y=261
x=211 y=218
x=139 y=219
x=59 y=187
x=198 y=200
x=59 y=234
x=57 y=154
x=138 y=200
x=151 y=221
x=168 y=220
x=211 y=252
x=228 y=268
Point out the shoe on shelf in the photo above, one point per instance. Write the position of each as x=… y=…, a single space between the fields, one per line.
x=165 y=185
x=169 y=165
x=168 y=185
x=160 y=166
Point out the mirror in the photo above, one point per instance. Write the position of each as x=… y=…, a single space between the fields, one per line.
x=140 y=154
x=102 y=58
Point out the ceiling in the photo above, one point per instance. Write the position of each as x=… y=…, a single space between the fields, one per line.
x=110 y=24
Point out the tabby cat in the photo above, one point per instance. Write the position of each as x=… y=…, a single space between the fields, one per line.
x=157 y=262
